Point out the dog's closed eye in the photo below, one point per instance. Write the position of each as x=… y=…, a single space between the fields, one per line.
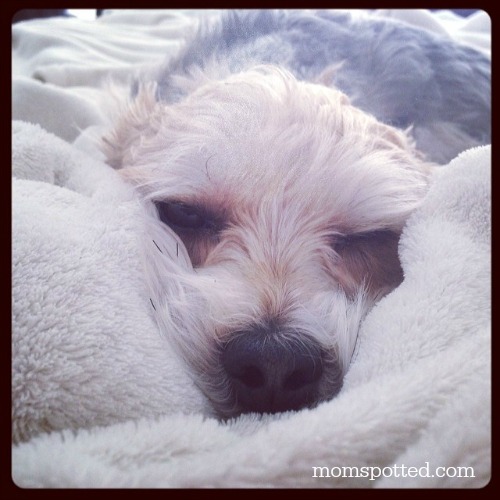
x=347 y=242
x=197 y=227
x=371 y=256
x=183 y=217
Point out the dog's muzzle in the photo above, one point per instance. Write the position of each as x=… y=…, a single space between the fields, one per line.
x=269 y=373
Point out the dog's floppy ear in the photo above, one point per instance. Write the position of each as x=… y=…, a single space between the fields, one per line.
x=386 y=135
x=138 y=119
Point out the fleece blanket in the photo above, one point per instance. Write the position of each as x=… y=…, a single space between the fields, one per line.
x=99 y=397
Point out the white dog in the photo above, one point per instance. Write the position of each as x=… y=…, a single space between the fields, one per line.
x=287 y=203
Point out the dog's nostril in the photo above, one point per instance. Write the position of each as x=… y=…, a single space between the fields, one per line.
x=303 y=376
x=251 y=376
x=268 y=374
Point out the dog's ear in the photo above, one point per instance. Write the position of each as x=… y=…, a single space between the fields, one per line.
x=387 y=136
x=137 y=120
x=398 y=143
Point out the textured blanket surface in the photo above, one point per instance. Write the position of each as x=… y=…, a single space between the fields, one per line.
x=100 y=399
x=86 y=350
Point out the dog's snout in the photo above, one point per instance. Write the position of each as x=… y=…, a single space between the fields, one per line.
x=269 y=374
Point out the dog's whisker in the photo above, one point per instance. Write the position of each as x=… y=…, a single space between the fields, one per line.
x=159 y=249
x=206 y=166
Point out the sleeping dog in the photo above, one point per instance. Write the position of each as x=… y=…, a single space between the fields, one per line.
x=283 y=153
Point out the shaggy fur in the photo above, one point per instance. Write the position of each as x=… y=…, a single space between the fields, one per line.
x=286 y=200
x=404 y=76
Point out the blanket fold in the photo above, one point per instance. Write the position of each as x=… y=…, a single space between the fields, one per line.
x=86 y=349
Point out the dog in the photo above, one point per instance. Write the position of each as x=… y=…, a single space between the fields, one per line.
x=285 y=200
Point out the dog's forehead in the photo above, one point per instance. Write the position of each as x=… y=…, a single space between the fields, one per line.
x=260 y=136
x=238 y=147
x=280 y=160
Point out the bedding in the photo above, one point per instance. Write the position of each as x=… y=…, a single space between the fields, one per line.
x=100 y=398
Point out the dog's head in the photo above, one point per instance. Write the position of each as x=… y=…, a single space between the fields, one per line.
x=289 y=203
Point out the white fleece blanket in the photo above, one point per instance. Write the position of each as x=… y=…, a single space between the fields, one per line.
x=90 y=365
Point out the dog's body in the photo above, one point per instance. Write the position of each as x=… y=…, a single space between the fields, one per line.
x=288 y=201
x=405 y=77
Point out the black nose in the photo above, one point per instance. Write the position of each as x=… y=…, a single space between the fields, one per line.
x=269 y=374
